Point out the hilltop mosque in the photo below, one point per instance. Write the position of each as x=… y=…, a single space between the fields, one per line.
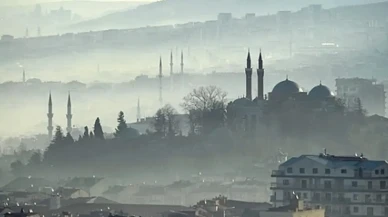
x=246 y=112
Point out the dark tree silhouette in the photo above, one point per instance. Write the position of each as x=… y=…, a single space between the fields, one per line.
x=98 y=133
x=165 y=121
x=17 y=167
x=91 y=135
x=58 y=137
x=206 y=107
x=86 y=133
x=36 y=159
x=69 y=139
x=122 y=127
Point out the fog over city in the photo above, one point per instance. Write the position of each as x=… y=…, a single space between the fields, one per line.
x=240 y=108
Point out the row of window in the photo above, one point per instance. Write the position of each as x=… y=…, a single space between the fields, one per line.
x=328 y=171
x=315 y=170
x=327 y=184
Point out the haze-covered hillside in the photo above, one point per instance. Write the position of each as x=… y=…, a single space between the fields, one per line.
x=178 y=11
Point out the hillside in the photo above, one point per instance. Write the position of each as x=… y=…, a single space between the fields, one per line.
x=179 y=11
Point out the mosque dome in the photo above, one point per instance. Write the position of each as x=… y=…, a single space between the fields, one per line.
x=242 y=102
x=286 y=88
x=320 y=92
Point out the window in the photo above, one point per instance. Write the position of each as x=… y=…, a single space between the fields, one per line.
x=355 y=197
x=303 y=184
x=289 y=170
x=369 y=211
x=315 y=170
x=301 y=170
x=383 y=185
x=327 y=184
x=368 y=198
x=370 y=185
x=354 y=184
x=286 y=182
x=327 y=171
x=355 y=209
x=343 y=171
x=327 y=197
x=379 y=198
x=305 y=196
x=376 y=172
x=382 y=171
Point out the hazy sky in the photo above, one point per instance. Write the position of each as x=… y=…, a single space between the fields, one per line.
x=25 y=2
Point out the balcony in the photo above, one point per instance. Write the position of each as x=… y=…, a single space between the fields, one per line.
x=276 y=173
x=339 y=200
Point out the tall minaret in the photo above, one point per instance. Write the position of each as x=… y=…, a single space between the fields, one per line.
x=50 y=116
x=138 y=116
x=182 y=62
x=260 y=78
x=160 y=83
x=248 y=76
x=69 y=116
x=24 y=76
x=182 y=76
x=171 y=71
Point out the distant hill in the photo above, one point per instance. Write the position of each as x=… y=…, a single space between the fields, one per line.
x=179 y=11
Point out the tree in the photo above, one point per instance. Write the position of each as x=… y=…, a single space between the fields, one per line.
x=17 y=167
x=36 y=159
x=122 y=127
x=165 y=121
x=69 y=139
x=58 y=137
x=91 y=135
x=206 y=107
x=86 y=132
x=98 y=133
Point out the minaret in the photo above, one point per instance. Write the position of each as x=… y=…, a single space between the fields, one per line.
x=260 y=78
x=248 y=75
x=182 y=76
x=69 y=116
x=24 y=76
x=182 y=62
x=50 y=116
x=171 y=71
x=138 y=116
x=160 y=83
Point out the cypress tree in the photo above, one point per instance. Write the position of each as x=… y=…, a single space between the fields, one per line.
x=98 y=133
x=122 y=127
x=86 y=132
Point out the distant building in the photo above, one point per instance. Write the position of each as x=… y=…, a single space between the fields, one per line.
x=22 y=213
x=371 y=94
x=145 y=125
x=344 y=185
x=224 y=17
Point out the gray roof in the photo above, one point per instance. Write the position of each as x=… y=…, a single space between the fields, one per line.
x=332 y=161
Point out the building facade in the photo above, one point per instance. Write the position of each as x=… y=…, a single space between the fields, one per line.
x=371 y=94
x=343 y=185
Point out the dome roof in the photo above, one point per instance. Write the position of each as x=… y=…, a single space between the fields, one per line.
x=285 y=88
x=320 y=92
x=242 y=102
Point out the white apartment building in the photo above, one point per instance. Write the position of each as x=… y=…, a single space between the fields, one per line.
x=343 y=185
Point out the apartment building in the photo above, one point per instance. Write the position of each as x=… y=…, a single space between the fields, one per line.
x=343 y=185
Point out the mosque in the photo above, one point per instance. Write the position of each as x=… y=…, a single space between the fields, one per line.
x=50 y=115
x=245 y=113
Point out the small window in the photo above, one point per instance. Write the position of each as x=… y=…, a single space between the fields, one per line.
x=355 y=197
x=327 y=171
x=382 y=171
x=354 y=184
x=379 y=198
x=289 y=170
x=305 y=196
x=315 y=170
x=343 y=171
x=383 y=185
x=301 y=170
x=355 y=209
x=376 y=172
x=286 y=182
